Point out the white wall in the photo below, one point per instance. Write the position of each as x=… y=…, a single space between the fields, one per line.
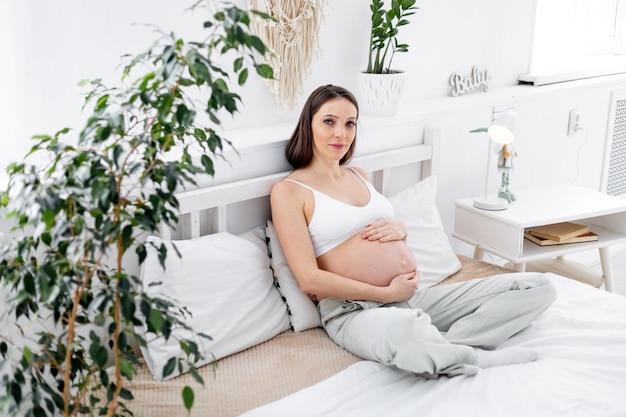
x=56 y=43
x=53 y=44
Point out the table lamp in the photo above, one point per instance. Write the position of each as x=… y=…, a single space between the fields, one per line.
x=501 y=130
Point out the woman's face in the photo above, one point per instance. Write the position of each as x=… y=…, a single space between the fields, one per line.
x=334 y=129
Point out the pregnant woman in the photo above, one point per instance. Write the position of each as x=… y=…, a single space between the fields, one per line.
x=347 y=252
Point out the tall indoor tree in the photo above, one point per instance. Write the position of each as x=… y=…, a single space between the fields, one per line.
x=77 y=216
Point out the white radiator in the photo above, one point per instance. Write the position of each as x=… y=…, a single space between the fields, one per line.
x=614 y=176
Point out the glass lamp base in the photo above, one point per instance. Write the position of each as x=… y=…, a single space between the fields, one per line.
x=493 y=203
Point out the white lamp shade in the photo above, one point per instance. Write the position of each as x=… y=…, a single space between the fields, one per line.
x=503 y=127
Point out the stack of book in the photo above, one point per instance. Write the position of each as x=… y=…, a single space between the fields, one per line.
x=560 y=233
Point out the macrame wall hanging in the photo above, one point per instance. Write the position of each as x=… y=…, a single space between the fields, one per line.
x=293 y=38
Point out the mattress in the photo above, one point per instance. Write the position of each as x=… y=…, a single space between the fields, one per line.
x=262 y=374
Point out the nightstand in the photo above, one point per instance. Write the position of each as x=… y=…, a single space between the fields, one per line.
x=502 y=232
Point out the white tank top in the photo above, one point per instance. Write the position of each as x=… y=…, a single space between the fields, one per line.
x=334 y=221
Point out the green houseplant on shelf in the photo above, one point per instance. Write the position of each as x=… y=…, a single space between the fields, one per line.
x=380 y=83
x=80 y=214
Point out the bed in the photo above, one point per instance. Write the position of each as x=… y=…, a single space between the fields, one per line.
x=273 y=359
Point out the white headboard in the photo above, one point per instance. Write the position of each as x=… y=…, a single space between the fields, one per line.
x=206 y=210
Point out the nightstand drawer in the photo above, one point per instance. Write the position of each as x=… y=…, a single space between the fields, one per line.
x=488 y=234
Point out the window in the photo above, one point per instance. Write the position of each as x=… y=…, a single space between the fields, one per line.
x=576 y=39
x=601 y=26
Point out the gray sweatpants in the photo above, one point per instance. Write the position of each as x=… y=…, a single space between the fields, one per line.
x=434 y=330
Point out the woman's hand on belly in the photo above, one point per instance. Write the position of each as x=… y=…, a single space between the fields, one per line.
x=372 y=261
x=385 y=231
x=403 y=286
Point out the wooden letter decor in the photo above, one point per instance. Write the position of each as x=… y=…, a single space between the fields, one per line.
x=461 y=85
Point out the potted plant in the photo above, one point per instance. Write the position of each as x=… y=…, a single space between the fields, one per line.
x=381 y=84
x=72 y=303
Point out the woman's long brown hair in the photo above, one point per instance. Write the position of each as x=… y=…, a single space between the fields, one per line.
x=299 y=150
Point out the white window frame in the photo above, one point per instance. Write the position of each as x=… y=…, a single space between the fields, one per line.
x=563 y=51
x=613 y=43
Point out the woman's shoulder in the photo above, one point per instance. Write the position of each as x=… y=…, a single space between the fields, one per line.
x=295 y=177
x=287 y=194
x=360 y=171
x=290 y=184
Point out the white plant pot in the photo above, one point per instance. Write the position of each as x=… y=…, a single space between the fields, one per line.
x=381 y=93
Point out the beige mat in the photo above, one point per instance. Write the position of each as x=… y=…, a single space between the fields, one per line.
x=472 y=269
x=256 y=376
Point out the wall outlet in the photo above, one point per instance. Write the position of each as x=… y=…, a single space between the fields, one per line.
x=573 y=125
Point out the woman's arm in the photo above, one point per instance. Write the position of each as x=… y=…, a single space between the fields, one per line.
x=289 y=205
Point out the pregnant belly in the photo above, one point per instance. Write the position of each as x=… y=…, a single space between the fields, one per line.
x=373 y=262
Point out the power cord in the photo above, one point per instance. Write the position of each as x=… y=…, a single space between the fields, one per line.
x=582 y=145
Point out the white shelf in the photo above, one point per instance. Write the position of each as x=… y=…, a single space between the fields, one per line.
x=606 y=237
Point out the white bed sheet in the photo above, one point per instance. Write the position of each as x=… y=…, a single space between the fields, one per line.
x=581 y=340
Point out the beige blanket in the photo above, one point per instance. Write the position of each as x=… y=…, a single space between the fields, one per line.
x=262 y=374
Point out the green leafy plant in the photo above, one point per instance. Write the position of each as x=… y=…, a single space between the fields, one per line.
x=384 y=33
x=78 y=216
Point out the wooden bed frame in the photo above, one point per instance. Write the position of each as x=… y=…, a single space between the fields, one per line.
x=206 y=210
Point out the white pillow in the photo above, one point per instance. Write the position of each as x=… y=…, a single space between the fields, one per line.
x=226 y=283
x=302 y=311
x=416 y=206
x=256 y=235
